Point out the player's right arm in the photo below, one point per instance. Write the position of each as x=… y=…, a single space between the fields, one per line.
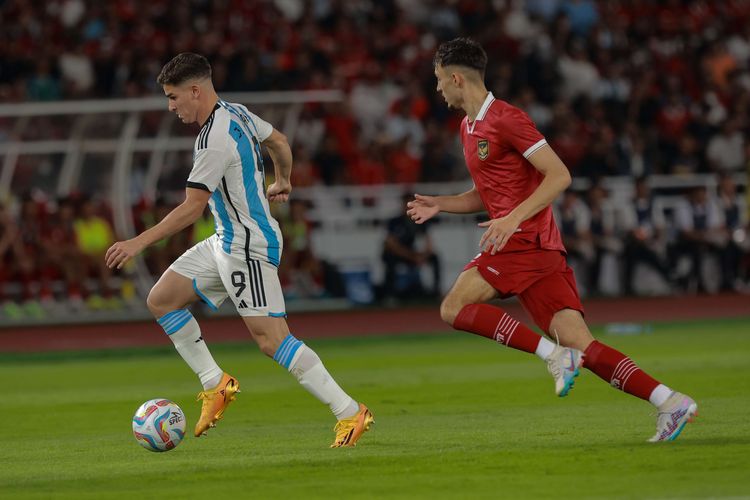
x=181 y=217
x=281 y=156
x=424 y=208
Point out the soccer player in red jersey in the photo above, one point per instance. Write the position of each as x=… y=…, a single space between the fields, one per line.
x=516 y=177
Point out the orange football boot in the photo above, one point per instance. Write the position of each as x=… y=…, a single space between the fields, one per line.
x=349 y=430
x=215 y=401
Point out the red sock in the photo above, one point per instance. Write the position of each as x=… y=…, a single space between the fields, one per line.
x=494 y=323
x=619 y=370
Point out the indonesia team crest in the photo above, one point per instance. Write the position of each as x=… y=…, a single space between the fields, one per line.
x=483 y=149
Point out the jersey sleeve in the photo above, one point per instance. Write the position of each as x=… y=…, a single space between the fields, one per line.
x=259 y=126
x=209 y=167
x=520 y=133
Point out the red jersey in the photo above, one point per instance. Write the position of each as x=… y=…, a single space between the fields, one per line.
x=496 y=147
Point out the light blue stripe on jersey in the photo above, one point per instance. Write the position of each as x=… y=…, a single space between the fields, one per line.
x=286 y=351
x=254 y=203
x=173 y=321
x=239 y=110
x=227 y=236
x=256 y=144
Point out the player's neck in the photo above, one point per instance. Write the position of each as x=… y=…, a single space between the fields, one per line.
x=207 y=108
x=475 y=97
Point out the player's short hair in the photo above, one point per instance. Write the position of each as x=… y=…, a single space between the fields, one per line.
x=184 y=67
x=461 y=52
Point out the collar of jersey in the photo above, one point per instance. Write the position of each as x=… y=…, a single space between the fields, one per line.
x=212 y=114
x=482 y=111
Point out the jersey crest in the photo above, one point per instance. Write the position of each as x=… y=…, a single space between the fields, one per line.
x=483 y=149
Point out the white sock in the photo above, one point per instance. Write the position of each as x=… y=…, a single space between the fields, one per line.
x=545 y=348
x=184 y=332
x=307 y=368
x=659 y=395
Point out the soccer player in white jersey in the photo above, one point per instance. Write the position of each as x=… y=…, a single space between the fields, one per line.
x=240 y=260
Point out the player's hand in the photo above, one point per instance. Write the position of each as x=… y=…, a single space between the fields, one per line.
x=121 y=252
x=422 y=208
x=279 y=191
x=498 y=233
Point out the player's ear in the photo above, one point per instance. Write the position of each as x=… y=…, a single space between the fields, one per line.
x=458 y=79
x=195 y=91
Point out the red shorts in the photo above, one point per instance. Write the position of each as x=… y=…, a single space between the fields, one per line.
x=540 y=278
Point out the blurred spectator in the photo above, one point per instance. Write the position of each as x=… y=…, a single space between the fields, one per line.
x=32 y=260
x=605 y=241
x=574 y=220
x=20 y=254
x=161 y=254
x=310 y=129
x=202 y=228
x=701 y=234
x=300 y=271
x=371 y=167
x=402 y=126
x=77 y=70
x=687 y=160
x=94 y=236
x=735 y=254
x=540 y=114
x=402 y=166
x=43 y=85
x=404 y=258
x=10 y=247
x=601 y=156
x=645 y=239
x=329 y=162
x=61 y=247
x=635 y=156
x=582 y=14
x=580 y=76
x=726 y=150
x=304 y=173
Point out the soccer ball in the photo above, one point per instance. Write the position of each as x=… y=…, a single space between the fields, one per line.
x=159 y=425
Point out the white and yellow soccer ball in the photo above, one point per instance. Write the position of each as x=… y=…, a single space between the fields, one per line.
x=159 y=425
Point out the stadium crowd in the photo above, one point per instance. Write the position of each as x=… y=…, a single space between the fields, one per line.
x=631 y=88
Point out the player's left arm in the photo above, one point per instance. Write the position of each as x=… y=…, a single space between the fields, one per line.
x=281 y=156
x=179 y=218
x=556 y=180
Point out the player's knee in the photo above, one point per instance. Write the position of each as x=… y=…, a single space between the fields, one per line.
x=449 y=309
x=156 y=304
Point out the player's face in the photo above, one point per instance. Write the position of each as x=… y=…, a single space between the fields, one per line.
x=446 y=86
x=182 y=102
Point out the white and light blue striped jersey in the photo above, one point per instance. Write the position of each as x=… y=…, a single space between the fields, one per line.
x=227 y=162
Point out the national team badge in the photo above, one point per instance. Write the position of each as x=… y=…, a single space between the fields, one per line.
x=483 y=149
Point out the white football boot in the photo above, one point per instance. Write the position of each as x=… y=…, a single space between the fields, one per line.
x=564 y=365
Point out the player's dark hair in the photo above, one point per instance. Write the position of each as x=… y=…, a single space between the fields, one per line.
x=184 y=67
x=461 y=52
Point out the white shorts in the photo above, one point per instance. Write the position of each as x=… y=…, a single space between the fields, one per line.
x=252 y=285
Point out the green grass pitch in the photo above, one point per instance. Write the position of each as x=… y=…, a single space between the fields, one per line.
x=456 y=416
